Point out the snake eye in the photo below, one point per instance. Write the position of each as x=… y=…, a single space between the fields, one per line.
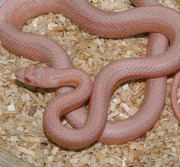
x=28 y=80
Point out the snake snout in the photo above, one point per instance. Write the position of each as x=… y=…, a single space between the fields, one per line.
x=34 y=75
x=25 y=74
x=20 y=74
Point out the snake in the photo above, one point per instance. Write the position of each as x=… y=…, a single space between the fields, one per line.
x=74 y=87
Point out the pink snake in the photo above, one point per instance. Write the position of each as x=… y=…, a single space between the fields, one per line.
x=160 y=62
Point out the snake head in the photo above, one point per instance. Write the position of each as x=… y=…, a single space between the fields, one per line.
x=34 y=75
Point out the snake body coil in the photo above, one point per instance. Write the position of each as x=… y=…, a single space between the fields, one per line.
x=160 y=62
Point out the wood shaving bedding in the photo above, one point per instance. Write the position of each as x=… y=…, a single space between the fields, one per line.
x=21 y=107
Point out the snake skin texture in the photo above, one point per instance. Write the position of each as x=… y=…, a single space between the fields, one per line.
x=90 y=125
x=174 y=89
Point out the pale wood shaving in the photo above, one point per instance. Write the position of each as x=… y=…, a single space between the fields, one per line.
x=38 y=100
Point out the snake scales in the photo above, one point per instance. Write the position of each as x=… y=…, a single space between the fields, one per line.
x=160 y=62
